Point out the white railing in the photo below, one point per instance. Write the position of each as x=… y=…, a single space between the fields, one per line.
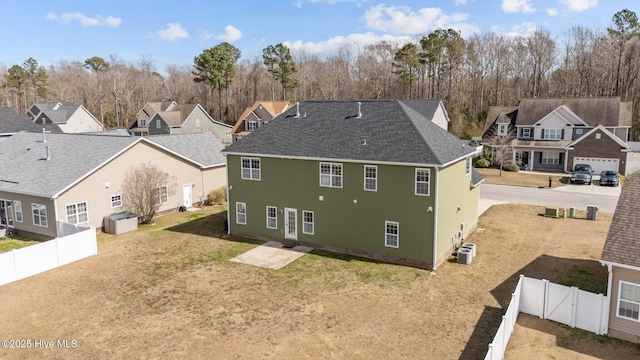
x=567 y=305
x=31 y=260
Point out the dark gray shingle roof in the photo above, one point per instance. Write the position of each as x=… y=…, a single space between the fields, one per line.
x=623 y=241
x=11 y=123
x=608 y=111
x=387 y=131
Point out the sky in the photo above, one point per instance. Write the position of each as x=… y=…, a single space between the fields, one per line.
x=174 y=32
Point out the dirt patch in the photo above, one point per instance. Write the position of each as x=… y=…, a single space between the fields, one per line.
x=170 y=291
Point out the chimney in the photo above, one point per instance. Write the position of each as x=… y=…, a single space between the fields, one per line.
x=359 y=110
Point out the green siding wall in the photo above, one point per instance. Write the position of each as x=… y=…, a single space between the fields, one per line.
x=347 y=217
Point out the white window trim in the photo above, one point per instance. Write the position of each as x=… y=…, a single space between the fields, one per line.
x=386 y=234
x=331 y=175
x=528 y=135
x=312 y=223
x=416 y=182
x=274 y=218
x=240 y=205
x=77 y=213
x=116 y=201
x=579 y=131
x=40 y=216
x=555 y=160
x=467 y=169
x=166 y=193
x=251 y=170
x=17 y=209
x=557 y=134
x=375 y=179
x=158 y=125
x=252 y=125
x=630 y=301
x=502 y=129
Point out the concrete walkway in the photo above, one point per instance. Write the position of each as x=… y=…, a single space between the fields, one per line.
x=271 y=255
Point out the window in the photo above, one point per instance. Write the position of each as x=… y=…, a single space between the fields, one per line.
x=252 y=125
x=17 y=207
x=526 y=133
x=331 y=175
x=307 y=222
x=467 y=169
x=250 y=168
x=77 y=213
x=629 y=300
x=552 y=134
x=241 y=213
x=502 y=129
x=161 y=194
x=272 y=217
x=116 y=201
x=422 y=182
x=371 y=178
x=143 y=123
x=39 y=215
x=158 y=124
x=578 y=131
x=550 y=158
x=598 y=136
x=197 y=122
x=391 y=234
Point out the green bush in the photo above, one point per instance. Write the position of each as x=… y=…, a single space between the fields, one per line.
x=483 y=163
x=217 y=196
x=510 y=167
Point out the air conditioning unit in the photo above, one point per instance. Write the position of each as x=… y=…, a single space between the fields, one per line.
x=464 y=256
x=552 y=212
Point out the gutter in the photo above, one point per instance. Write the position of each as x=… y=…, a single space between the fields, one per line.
x=228 y=197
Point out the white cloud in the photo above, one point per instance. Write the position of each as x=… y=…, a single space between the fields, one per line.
x=85 y=20
x=525 y=29
x=579 y=5
x=205 y=35
x=461 y=2
x=172 y=32
x=332 y=45
x=403 y=20
x=514 y=6
x=231 y=34
x=552 y=12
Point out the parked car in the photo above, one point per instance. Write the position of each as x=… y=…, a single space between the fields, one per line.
x=582 y=173
x=609 y=178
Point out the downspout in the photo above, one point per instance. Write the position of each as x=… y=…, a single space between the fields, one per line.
x=608 y=303
x=228 y=198
x=435 y=221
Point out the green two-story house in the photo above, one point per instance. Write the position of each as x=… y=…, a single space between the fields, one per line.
x=380 y=179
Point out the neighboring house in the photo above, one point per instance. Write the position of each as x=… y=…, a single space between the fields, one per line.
x=70 y=118
x=187 y=118
x=139 y=126
x=621 y=256
x=374 y=179
x=556 y=134
x=256 y=115
x=78 y=178
x=12 y=123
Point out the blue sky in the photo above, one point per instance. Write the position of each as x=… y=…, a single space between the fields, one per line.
x=174 y=32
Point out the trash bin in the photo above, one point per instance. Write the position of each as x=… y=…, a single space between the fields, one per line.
x=592 y=212
x=572 y=212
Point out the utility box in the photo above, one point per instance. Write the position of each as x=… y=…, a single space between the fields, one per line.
x=552 y=212
x=120 y=223
x=592 y=212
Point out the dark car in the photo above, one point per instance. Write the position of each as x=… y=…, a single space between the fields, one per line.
x=582 y=173
x=609 y=178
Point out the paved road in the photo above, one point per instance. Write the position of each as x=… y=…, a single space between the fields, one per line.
x=577 y=196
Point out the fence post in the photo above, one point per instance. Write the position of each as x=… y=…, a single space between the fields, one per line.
x=545 y=298
x=490 y=352
x=15 y=265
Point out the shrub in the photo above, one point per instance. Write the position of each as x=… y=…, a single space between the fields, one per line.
x=482 y=163
x=217 y=196
x=510 y=167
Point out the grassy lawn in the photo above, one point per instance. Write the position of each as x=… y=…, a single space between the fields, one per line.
x=170 y=291
x=521 y=178
x=15 y=242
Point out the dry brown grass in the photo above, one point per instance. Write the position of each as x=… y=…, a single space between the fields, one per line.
x=529 y=179
x=169 y=291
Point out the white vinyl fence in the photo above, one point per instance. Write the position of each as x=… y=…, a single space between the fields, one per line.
x=567 y=305
x=79 y=243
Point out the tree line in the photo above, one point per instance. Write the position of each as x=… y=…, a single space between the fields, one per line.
x=488 y=69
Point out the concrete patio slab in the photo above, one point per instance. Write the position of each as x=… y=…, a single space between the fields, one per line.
x=271 y=255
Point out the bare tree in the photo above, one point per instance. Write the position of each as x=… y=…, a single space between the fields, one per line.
x=500 y=145
x=145 y=188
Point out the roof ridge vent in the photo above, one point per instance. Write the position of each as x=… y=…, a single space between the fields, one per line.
x=359 y=110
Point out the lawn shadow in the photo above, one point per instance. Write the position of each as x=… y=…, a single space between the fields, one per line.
x=588 y=275
x=483 y=334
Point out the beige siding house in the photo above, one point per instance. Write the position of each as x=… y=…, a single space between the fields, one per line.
x=78 y=179
x=70 y=118
x=621 y=256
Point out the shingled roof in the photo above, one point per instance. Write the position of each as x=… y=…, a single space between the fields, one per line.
x=391 y=131
x=608 y=111
x=11 y=123
x=623 y=241
x=29 y=165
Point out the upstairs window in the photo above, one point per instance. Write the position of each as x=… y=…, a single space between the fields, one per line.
x=250 y=168
x=252 y=125
x=422 y=182
x=526 y=133
x=552 y=134
x=502 y=129
x=370 y=178
x=331 y=175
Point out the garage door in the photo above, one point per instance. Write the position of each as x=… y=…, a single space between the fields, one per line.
x=598 y=164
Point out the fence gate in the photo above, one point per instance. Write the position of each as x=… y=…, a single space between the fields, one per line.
x=559 y=303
